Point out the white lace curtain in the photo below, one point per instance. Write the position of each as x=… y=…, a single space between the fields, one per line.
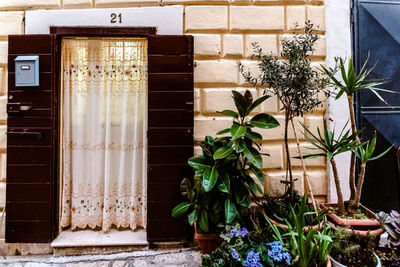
x=104 y=124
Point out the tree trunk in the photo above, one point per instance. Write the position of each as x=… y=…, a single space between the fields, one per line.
x=352 y=182
x=356 y=201
x=307 y=182
x=341 y=208
x=288 y=159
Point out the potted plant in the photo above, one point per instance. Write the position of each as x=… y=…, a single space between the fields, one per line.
x=298 y=87
x=308 y=246
x=248 y=248
x=390 y=254
x=353 y=250
x=282 y=210
x=222 y=184
x=350 y=213
x=332 y=145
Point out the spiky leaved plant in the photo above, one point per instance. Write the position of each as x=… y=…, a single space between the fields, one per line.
x=295 y=83
x=352 y=82
x=332 y=146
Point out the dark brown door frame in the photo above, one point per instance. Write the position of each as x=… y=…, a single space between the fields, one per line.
x=59 y=33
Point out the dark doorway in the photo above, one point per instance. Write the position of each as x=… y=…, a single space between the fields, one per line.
x=376 y=31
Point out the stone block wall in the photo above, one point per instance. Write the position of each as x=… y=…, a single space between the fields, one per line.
x=223 y=32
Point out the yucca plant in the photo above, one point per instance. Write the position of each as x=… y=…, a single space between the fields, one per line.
x=222 y=183
x=364 y=152
x=352 y=82
x=332 y=145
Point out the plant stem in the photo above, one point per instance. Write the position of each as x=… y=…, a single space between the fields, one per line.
x=356 y=201
x=288 y=161
x=307 y=181
x=352 y=182
x=338 y=188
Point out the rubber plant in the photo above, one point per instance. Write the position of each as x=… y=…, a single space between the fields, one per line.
x=222 y=184
x=350 y=83
x=295 y=83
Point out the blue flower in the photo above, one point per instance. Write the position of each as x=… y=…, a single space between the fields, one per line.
x=234 y=232
x=277 y=253
x=244 y=232
x=252 y=260
x=235 y=255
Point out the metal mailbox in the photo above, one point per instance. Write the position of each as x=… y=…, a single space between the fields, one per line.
x=27 y=71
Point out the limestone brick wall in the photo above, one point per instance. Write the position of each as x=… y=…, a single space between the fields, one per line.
x=224 y=31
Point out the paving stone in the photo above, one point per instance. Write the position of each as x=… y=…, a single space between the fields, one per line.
x=140 y=263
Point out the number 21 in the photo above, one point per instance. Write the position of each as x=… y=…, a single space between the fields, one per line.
x=114 y=18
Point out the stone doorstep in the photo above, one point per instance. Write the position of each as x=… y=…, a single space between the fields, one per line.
x=85 y=242
x=170 y=257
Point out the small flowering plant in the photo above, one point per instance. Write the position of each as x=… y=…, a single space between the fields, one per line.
x=244 y=248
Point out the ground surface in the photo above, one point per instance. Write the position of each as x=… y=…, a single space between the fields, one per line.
x=167 y=258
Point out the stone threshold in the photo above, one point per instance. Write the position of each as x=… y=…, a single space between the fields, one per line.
x=85 y=242
x=91 y=238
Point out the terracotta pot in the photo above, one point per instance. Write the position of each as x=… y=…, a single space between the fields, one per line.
x=328 y=262
x=334 y=263
x=207 y=242
x=362 y=227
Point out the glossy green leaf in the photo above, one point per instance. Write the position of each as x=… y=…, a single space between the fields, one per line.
x=257 y=103
x=253 y=186
x=224 y=131
x=264 y=121
x=210 y=177
x=242 y=197
x=259 y=174
x=199 y=162
x=225 y=184
x=253 y=156
x=203 y=221
x=229 y=112
x=192 y=217
x=223 y=152
x=253 y=135
x=237 y=130
x=180 y=209
x=248 y=97
x=230 y=211
x=209 y=140
x=240 y=145
x=239 y=98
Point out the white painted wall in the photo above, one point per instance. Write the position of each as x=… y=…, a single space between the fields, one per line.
x=338 y=37
x=168 y=20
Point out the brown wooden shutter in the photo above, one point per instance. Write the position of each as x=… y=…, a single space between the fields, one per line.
x=31 y=145
x=170 y=133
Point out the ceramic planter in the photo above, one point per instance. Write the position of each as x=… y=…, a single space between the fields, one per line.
x=362 y=227
x=207 y=242
x=337 y=264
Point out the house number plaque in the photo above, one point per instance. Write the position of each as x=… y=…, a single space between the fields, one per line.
x=116 y=18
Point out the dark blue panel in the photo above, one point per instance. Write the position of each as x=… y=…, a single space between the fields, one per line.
x=379 y=38
x=388 y=125
x=377 y=32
